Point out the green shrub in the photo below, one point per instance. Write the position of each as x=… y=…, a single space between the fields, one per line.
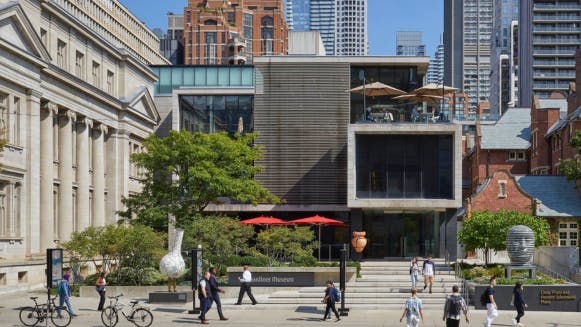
x=475 y=273
x=134 y=277
x=497 y=271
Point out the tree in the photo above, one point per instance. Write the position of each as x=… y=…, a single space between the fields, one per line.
x=185 y=172
x=486 y=230
x=572 y=167
x=282 y=244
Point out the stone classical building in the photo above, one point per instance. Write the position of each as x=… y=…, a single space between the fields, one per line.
x=75 y=103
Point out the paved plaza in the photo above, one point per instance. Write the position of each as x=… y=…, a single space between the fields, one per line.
x=264 y=315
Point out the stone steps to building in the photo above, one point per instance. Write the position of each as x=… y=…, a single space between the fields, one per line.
x=402 y=294
x=403 y=278
x=375 y=290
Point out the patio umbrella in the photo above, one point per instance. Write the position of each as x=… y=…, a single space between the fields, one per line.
x=318 y=221
x=376 y=89
x=434 y=89
x=262 y=220
x=418 y=98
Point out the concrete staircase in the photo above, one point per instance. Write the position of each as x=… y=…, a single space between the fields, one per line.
x=383 y=285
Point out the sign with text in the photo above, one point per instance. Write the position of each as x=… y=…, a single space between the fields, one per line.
x=54 y=269
x=281 y=279
x=538 y=297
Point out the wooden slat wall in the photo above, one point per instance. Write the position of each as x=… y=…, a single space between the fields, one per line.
x=301 y=111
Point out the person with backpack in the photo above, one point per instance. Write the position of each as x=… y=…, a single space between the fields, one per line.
x=414 y=272
x=64 y=293
x=413 y=310
x=453 y=309
x=331 y=296
x=429 y=271
x=487 y=298
x=519 y=303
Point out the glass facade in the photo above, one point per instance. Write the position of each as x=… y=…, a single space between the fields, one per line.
x=216 y=113
x=299 y=15
x=392 y=166
x=174 y=77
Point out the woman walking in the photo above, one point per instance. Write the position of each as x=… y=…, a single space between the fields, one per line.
x=100 y=288
x=519 y=303
x=414 y=271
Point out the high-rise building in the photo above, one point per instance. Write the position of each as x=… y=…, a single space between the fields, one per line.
x=467 y=35
x=436 y=68
x=549 y=35
x=505 y=12
x=341 y=23
x=172 y=43
x=408 y=43
x=233 y=32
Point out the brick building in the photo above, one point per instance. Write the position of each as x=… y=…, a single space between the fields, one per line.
x=219 y=32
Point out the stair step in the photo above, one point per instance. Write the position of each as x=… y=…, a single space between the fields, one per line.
x=349 y=301
x=402 y=295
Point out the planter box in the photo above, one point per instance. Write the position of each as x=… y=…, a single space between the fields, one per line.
x=290 y=276
x=565 y=297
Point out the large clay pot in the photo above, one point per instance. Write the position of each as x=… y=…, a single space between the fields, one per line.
x=172 y=264
x=359 y=241
x=520 y=245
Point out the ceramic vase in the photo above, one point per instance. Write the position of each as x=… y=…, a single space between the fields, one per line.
x=172 y=264
x=359 y=241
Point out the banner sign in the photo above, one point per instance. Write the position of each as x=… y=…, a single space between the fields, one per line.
x=54 y=263
x=281 y=279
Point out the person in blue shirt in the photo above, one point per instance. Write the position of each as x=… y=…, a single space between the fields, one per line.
x=519 y=303
x=413 y=310
x=331 y=296
x=64 y=293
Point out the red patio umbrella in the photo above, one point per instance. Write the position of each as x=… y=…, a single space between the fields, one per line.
x=262 y=220
x=318 y=221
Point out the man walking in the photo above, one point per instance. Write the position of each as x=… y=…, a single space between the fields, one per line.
x=413 y=310
x=64 y=293
x=215 y=291
x=491 y=312
x=453 y=308
x=429 y=270
x=205 y=296
x=245 y=281
x=331 y=296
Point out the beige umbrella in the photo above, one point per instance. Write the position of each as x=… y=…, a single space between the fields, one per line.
x=418 y=98
x=434 y=89
x=376 y=89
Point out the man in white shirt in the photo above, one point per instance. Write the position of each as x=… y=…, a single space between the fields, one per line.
x=429 y=270
x=245 y=281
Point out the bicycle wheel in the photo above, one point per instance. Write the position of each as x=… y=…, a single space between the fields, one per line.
x=109 y=317
x=29 y=316
x=60 y=320
x=142 y=317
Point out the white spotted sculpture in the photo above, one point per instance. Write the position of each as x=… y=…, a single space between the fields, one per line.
x=172 y=264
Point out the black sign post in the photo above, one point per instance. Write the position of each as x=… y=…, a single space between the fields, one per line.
x=196 y=275
x=342 y=280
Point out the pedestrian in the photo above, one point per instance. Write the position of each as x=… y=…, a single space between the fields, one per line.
x=64 y=293
x=100 y=288
x=215 y=291
x=245 y=281
x=413 y=310
x=518 y=300
x=491 y=310
x=429 y=271
x=453 y=309
x=414 y=272
x=331 y=296
x=205 y=296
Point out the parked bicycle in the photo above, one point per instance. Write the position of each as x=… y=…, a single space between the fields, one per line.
x=140 y=316
x=31 y=316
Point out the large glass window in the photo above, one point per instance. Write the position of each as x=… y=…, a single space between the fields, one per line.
x=210 y=48
x=404 y=166
x=267 y=35
x=216 y=113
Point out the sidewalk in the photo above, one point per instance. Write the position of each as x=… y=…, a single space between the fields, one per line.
x=261 y=315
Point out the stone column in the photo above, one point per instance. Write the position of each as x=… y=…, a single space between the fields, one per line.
x=30 y=198
x=66 y=227
x=99 y=135
x=84 y=127
x=47 y=175
x=117 y=172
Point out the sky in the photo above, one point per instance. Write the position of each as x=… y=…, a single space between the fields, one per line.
x=385 y=17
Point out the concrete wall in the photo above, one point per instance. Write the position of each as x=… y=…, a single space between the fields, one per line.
x=563 y=260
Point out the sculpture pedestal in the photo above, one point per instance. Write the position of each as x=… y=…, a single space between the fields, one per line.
x=531 y=268
x=171 y=297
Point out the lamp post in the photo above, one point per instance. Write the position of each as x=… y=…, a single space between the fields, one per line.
x=342 y=280
x=196 y=274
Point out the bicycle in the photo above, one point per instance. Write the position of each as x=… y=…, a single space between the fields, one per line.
x=140 y=316
x=31 y=316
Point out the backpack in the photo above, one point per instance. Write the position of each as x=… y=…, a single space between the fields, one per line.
x=61 y=289
x=454 y=305
x=484 y=297
x=336 y=295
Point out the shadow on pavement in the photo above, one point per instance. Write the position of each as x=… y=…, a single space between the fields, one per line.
x=169 y=310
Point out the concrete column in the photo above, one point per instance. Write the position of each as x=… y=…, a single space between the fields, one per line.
x=117 y=172
x=99 y=135
x=47 y=175
x=66 y=227
x=84 y=127
x=30 y=198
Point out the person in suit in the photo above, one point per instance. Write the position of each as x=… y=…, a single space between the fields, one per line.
x=245 y=281
x=215 y=290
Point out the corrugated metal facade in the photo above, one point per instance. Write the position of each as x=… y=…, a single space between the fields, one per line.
x=301 y=111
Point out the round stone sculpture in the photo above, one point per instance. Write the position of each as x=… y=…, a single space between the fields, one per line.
x=520 y=245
